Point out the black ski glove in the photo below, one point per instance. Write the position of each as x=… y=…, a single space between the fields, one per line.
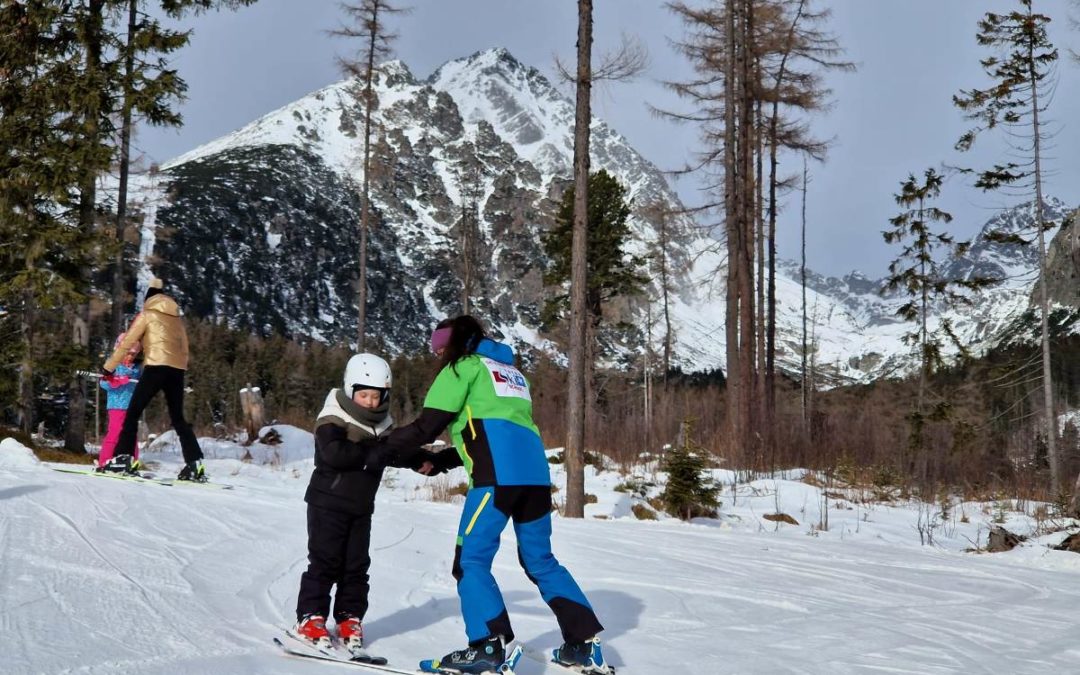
x=378 y=458
x=444 y=460
x=422 y=458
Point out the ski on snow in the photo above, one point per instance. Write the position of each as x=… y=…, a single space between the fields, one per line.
x=143 y=478
x=307 y=651
x=507 y=667
x=545 y=658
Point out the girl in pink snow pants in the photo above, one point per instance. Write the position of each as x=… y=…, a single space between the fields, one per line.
x=120 y=387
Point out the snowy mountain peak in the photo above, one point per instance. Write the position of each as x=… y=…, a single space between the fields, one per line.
x=482 y=65
x=1021 y=217
x=396 y=73
x=262 y=226
x=1007 y=261
x=517 y=100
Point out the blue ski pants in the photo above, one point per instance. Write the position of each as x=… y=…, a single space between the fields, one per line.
x=487 y=510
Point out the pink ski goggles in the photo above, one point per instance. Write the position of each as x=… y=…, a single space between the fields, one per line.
x=440 y=338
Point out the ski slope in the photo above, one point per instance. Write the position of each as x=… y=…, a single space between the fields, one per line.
x=109 y=576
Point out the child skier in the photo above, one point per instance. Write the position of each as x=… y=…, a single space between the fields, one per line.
x=120 y=388
x=486 y=403
x=341 y=499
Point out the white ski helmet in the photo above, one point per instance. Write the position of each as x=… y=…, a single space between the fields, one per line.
x=367 y=370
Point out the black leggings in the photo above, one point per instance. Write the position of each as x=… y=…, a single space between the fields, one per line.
x=154 y=379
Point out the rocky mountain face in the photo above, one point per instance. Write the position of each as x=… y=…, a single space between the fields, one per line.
x=260 y=228
x=1063 y=265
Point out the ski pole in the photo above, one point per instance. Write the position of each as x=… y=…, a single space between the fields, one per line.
x=97 y=376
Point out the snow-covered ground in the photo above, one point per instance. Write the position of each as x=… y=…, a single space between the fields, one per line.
x=108 y=576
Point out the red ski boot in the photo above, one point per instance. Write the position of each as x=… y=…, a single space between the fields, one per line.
x=312 y=628
x=351 y=632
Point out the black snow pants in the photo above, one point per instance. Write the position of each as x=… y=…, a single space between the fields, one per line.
x=337 y=554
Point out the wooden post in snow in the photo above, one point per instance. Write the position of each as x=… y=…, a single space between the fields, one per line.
x=251 y=403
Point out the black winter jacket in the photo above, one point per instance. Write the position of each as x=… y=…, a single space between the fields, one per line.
x=349 y=460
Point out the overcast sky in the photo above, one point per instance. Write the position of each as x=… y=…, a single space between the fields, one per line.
x=892 y=117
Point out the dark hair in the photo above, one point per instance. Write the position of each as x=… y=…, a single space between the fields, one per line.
x=465 y=336
x=151 y=292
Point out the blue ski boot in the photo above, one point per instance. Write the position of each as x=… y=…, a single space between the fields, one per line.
x=486 y=656
x=585 y=657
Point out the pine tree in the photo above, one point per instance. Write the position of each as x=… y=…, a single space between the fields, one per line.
x=92 y=99
x=757 y=66
x=44 y=104
x=116 y=80
x=368 y=27
x=664 y=268
x=794 y=50
x=690 y=492
x=917 y=273
x=467 y=256
x=722 y=90
x=610 y=272
x=147 y=89
x=1016 y=100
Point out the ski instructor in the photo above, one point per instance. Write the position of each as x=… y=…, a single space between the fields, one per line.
x=165 y=346
x=486 y=403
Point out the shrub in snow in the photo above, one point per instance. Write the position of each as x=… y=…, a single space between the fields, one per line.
x=591 y=459
x=639 y=487
x=690 y=491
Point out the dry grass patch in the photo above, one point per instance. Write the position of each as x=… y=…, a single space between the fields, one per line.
x=443 y=490
x=780 y=518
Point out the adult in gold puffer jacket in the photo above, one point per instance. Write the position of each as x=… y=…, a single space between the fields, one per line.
x=160 y=331
x=165 y=345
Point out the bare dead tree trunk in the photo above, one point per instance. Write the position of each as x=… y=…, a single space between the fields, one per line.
x=802 y=278
x=1044 y=299
x=746 y=141
x=365 y=205
x=576 y=395
x=125 y=167
x=75 y=433
x=469 y=182
x=665 y=290
x=770 y=331
x=368 y=26
x=26 y=364
x=731 y=231
x=924 y=337
x=466 y=259
x=760 y=395
x=647 y=375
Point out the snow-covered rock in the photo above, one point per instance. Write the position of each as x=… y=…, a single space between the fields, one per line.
x=14 y=454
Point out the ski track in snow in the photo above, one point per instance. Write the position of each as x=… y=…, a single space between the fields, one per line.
x=144 y=578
